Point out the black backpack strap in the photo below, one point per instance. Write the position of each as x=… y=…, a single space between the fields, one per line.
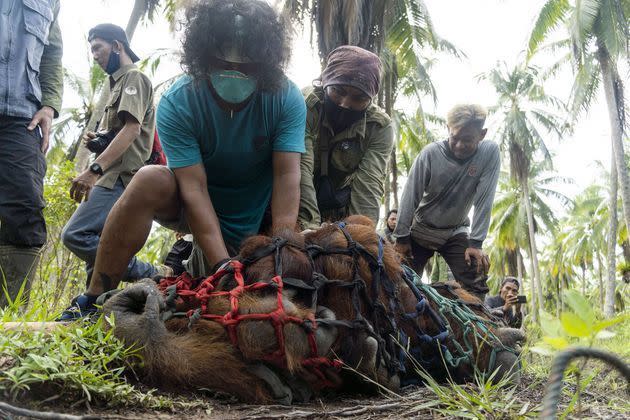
x=324 y=148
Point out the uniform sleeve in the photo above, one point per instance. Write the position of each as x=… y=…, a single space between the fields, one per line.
x=309 y=216
x=50 y=68
x=175 y=126
x=289 y=135
x=411 y=197
x=136 y=96
x=368 y=181
x=484 y=197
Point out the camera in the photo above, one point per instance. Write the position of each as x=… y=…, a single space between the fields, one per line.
x=521 y=299
x=99 y=143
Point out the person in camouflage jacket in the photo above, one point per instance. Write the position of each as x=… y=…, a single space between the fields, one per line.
x=348 y=140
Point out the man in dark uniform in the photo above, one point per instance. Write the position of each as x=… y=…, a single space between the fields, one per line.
x=31 y=84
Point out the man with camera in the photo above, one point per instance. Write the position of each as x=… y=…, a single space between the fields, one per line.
x=507 y=303
x=122 y=145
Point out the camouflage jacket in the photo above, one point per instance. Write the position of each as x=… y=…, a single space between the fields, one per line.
x=357 y=158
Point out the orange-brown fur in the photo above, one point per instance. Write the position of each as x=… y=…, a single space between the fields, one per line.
x=204 y=357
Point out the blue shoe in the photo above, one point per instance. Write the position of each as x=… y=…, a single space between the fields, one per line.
x=81 y=306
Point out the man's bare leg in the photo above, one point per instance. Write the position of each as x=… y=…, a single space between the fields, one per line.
x=152 y=194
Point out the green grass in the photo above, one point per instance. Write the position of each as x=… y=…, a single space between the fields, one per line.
x=488 y=398
x=80 y=363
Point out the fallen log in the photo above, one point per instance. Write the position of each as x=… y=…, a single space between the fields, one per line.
x=44 y=326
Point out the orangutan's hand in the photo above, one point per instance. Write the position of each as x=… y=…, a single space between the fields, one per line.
x=136 y=310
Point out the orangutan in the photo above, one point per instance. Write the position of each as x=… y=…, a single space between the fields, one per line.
x=278 y=324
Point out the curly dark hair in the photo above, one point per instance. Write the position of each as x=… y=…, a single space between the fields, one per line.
x=209 y=25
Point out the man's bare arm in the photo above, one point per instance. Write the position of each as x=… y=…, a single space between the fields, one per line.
x=200 y=214
x=285 y=199
x=120 y=143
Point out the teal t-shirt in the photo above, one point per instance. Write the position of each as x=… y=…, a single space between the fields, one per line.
x=235 y=148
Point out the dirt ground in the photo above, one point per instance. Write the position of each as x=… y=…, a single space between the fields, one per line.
x=414 y=402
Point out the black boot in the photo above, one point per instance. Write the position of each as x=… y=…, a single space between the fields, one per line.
x=18 y=266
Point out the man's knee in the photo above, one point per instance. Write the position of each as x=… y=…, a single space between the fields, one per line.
x=151 y=186
x=71 y=238
x=68 y=237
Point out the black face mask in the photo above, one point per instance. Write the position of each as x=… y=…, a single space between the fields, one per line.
x=113 y=63
x=338 y=117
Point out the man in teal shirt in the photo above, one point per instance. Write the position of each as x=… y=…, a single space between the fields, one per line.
x=233 y=132
x=233 y=148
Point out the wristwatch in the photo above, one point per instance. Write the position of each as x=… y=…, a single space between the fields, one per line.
x=95 y=168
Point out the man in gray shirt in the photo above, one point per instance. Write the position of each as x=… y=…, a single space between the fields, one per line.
x=446 y=180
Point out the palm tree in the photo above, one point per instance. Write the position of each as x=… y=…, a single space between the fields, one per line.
x=584 y=233
x=559 y=271
x=401 y=32
x=597 y=39
x=141 y=8
x=510 y=227
x=523 y=109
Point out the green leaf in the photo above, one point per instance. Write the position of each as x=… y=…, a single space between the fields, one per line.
x=609 y=322
x=557 y=343
x=580 y=306
x=575 y=326
x=550 y=325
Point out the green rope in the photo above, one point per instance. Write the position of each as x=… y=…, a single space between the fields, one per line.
x=472 y=325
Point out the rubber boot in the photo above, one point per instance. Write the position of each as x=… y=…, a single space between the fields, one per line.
x=18 y=266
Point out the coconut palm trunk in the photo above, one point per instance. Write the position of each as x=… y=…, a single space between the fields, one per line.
x=614 y=98
x=600 y=273
x=533 y=289
x=519 y=267
x=394 y=185
x=609 y=304
x=537 y=296
x=386 y=189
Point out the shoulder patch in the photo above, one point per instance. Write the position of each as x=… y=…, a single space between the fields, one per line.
x=131 y=90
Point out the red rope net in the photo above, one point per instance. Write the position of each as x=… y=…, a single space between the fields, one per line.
x=199 y=296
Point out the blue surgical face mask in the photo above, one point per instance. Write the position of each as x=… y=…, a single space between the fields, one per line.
x=113 y=64
x=232 y=86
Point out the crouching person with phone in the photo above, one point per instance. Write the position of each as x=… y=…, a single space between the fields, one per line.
x=508 y=302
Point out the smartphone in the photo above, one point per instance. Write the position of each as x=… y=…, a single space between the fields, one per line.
x=521 y=299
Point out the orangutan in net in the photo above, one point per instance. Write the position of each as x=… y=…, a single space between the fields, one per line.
x=296 y=314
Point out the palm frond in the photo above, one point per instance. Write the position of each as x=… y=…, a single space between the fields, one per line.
x=612 y=28
x=550 y=17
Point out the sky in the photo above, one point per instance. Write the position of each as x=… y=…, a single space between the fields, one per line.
x=487 y=31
